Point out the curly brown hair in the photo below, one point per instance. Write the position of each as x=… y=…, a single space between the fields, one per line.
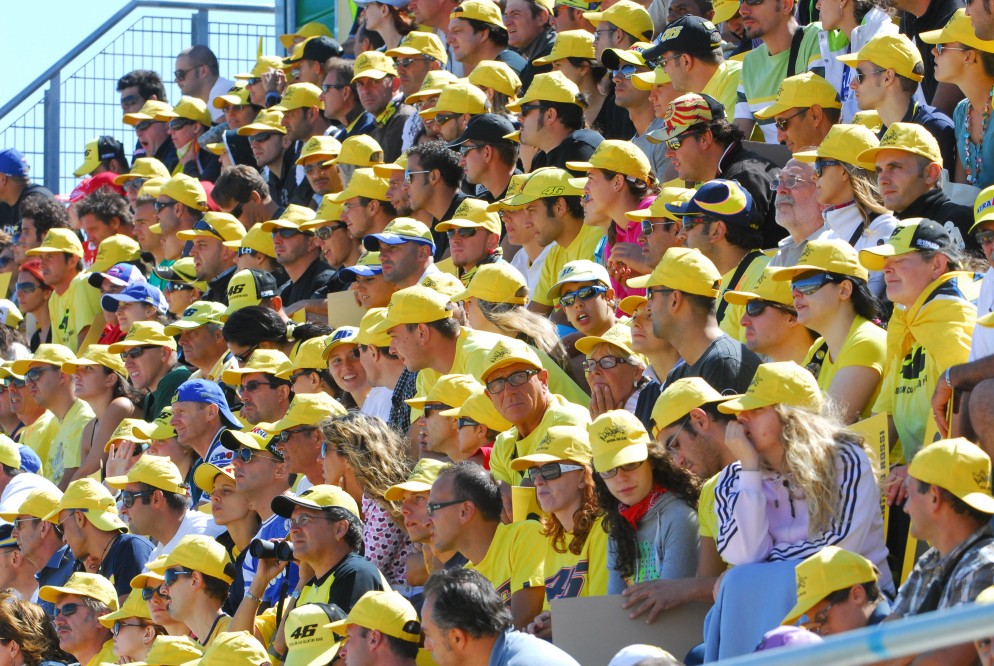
x=583 y=519
x=27 y=625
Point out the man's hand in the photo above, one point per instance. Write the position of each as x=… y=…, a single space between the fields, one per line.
x=266 y=572
x=940 y=403
x=630 y=254
x=274 y=81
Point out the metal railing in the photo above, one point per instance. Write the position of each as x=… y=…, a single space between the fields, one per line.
x=75 y=99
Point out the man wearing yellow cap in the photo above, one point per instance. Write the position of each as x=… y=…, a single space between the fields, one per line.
x=180 y=204
x=199 y=332
x=41 y=541
x=386 y=369
x=466 y=22
x=242 y=192
x=78 y=606
x=382 y=627
x=769 y=320
x=186 y=123
x=341 y=101
x=376 y=80
x=303 y=115
x=151 y=361
x=266 y=137
x=299 y=438
x=805 y=109
x=153 y=137
x=214 y=262
x=73 y=305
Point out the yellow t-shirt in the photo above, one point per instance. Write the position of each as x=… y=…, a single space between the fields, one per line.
x=584 y=575
x=39 y=435
x=73 y=311
x=225 y=363
x=64 y=453
x=584 y=246
x=707 y=517
x=515 y=559
x=509 y=446
x=865 y=345
x=105 y=656
x=731 y=320
x=724 y=85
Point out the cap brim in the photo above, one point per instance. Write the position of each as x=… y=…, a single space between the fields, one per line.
x=395 y=493
x=526 y=462
x=770 y=111
x=741 y=297
x=741 y=403
x=874 y=258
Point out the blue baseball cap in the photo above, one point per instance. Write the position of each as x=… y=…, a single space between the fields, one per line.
x=12 y=163
x=208 y=393
x=722 y=199
x=30 y=462
x=139 y=292
x=121 y=275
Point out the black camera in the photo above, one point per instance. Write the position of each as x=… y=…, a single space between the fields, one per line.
x=263 y=549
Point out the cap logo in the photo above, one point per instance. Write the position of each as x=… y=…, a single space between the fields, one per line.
x=984 y=206
x=670 y=33
x=189 y=312
x=499 y=353
x=613 y=433
x=305 y=631
x=553 y=190
x=923 y=244
x=983 y=480
x=802 y=582
x=544 y=443
x=235 y=289
x=341 y=334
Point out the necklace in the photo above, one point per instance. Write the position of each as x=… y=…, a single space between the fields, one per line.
x=974 y=162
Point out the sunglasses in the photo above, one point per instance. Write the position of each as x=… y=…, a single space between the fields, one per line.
x=324 y=233
x=285 y=435
x=327 y=448
x=758 y=306
x=135 y=352
x=407 y=62
x=302 y=373
x=465 y=149
x=613 y=472
x=551 y=471
x=495 y=386
x=35 y=373
x=525 y=108
x=647 y=226
x=464 y=421
x=462 y=232
x=128 y=498
x=290 y=233
x=170 y=287
x=244 y=356
x=625 y=72
x=180 y=74
x=333 y=86
x=782 y=123
x=67 y=610
x=159 y=205
x=677 y=141
x=117 y=626
x=128 y=100
x=442 y=118
x=246 y=455
x=145 y=124
x=982 y=238
x=690 y=221
x=172 y=574
x=242 y=251
x=252 y=386
x=583 y=293
x=939 y=48
x=861 y=76
x=261 y=137
x=605 y=362
x=408 y=174
x=180 y=123
x=149 y=592
x=315 y=166
x=820 y=165
x=813 y=283
x=17 y=383
x=433 y=507
x=255 y=80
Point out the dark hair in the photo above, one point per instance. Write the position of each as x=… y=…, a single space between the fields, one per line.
x=637 y=188
x=507 y=153
x=448 y=328
x=871 y=588
x=665 y=473
x=723 y=132
x=958 y=506
x=353 y=537
x=986 y=61
x=475 y=484
x=864 y=302
x=743 y=237
x=201 y=55
x=437 y=155
x=713 y=57
x=47 y=214
x=105 y=204
x=909 y=85
x=10 y=336
x=497 y=34
x=149 y=84
x=343 y=71
x=124 y=389
x=573 y=204
x=375 y=39
x=385 y=205
x=175 y=501
x=255 y=324
x=236 y=185
x=215 y=588
x=569 y=115
x=597 y=70
x=463 y=599
x=10 y=471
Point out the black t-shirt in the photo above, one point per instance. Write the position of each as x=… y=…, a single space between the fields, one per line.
x=755 y=173
x=10 y=216
x=126 y=558
x=217 y=289
x=316 y=282
x=577 y=147
x=354 y=577
x=956 y=218
x=726 y=365
x=440 y=237
x=612 y=121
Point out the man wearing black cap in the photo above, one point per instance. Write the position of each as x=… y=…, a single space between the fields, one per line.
x=309 y=67
x=105 y=153
x=15 y=187
x=487 y=158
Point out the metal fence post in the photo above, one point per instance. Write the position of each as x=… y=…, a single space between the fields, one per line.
x=53 y=132
x=201 y=30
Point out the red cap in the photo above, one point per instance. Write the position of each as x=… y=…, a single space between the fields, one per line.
x=88 y=186
x=33 y=266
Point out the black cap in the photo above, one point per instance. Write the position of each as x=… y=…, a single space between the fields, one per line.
x=319 y=48
x=687 y=34
x=486 y=128
x=110 y=148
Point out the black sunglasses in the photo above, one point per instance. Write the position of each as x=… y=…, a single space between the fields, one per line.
x=551 y=471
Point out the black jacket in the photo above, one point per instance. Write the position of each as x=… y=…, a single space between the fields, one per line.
x=754 y=173
x=956 y=218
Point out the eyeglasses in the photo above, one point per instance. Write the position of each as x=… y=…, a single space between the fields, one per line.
x=261 y=137
x=598 y=33
x=442 y=118
x=861 y=76
x=647 y=226
x=117 y=626
x=672 y=444
x=816 y=623
x=172 y=574
x=135 y=352
x=782 y=123
x=133 y=185
x=408 y=174
x=651 y=291
x=625 y=72
x=495 y=386
x=551 y=471
x=246 y=455
x=813 y=283
x=290 y=233
x=68 y=610
x=466 y=148
x=128 y=498
x=180 y=74
x=465 y=421
x=689 y=222
x=758 y=306
x=16 y=383
x=325 y=87
x=180 y=123
x=304 y=519
x=315 y=166
x=326 y=448
x=129 y=100
x=252 y=386
x=677 y=141
x=244 y=356
x=982 y=238
x=583 y=293
x=255 y=80
x=19 y=522
x=613 y=472
x=34 y=374
x=525 y=108
x=820 y=165
x=324 y=233
x=438 y=506
x=159 y=205
x=407 y=62
x=789 y=181
x=285 y=435
x=939 y=48
x=462 y=232
x=605 y=362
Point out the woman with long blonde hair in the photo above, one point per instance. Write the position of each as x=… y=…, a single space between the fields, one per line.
x=365 y=457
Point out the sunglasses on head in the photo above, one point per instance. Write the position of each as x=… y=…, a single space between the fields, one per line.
x=583 y=293
x=552 y=470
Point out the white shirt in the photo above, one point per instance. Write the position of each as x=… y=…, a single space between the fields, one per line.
x=983 y=337
x=533 y=271
x=378 y=403
x=843 y=223
x=221 y=87
x=194 y=523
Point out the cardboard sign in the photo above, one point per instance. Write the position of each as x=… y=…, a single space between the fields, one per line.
x=343 y=310
x=593 y=629
x=874 y=431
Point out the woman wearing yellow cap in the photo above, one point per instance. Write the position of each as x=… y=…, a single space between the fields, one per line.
x=28 y=634
x=133 y=628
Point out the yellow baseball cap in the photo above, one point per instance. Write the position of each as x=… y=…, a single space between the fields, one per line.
x=420 y=480
x=157 y=471
x=312 y=29
x=676 y=196
x=151 y=188
x=133 y=606
x=845 y=143
x=10 y=454
x=497 y=75
x=829 y=570
x=360 y=150
x=683 y=269
x=141 y=334
x=959 y=466
x=893 y=51
x=449 y=390
x=983 y=207
x=801 y=92
x=255 y=239
x=186 y=190
x=268 y=120
x=434 y=81
x=622 y=157
x=116 y=249
x=766 y=289
x=915 y=234
x=249 y=287
x=144 y=168
x=58 y=240
x=683 y=395
x=198 y=314
x=385 y=611
x=628 y=16
x=223 y=226
x=150 y=109
x=570 y=44
x=299 y=96
x=647 y=80
x=779 y=383
x=364 y=183
x=319 y=497
x=830 y=256
x=630 y=304
x=328 y=211
x=373 y=65
x=496 y=283
x=458 y=97
x=562 y=442
x=160 y=428
x=308 y=355
x=265 y=63
x=267 y=361
x=307 y=409
x=616 y=58
x=234 y=648
x=237 y=95
x=619 y=335
x=190 y=108
x=509 y=352
x=484 y=11
x=127 y=431
x=959 y=28
x=421 y=43
x=172 y=651
x=549 y=87
x=480 y=408
x=869 y=119
x=472 y=214
x=309 y=639
x=514 y=188
x=544 y=183
x=908 y=137
x=617 y=438
x=725 y=10
x=46 y=354
x=370 y=320
x=199 y=553
x=38 y=503
x=89 y=585
x=414 y=305
x=91 y=496
x=444 y=283
x=319 y=146
x=343 y=335
x=292 y=218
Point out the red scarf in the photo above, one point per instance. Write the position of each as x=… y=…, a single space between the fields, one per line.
x=636 y=512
